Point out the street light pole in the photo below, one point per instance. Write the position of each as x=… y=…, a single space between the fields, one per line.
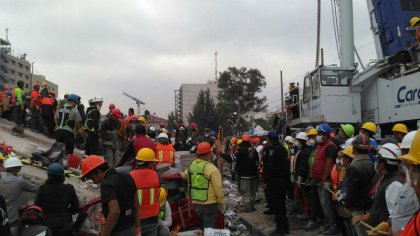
x=32 y=76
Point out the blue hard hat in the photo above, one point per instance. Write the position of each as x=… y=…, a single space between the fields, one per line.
x=73 y=97
x=324 y=128
x=213 y=133
x=272 y=135
x=55 y=169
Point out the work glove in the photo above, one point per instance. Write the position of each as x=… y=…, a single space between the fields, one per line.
x=299 y=181
x=381 y=229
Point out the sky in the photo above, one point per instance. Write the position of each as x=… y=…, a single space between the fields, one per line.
x=148 y=48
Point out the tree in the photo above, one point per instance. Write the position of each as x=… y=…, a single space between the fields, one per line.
x=238 y=92
x=171 y=121
x=204 y=111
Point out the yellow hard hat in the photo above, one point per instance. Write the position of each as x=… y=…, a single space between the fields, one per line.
x=146 y=154
x=43 y=83
x=164 y=130
x=413 y=155
x=414 y=21
x=239 y=141
x=369 y=126
x=312 y=131
x=400 y=128
x=2 y=157
x=162 y=196
x=142 y=119
x=348 y=151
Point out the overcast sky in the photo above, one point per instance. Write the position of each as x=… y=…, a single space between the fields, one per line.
x=150 y=47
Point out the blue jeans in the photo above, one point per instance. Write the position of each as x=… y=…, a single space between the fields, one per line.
x=207 y=214
x=328 y=206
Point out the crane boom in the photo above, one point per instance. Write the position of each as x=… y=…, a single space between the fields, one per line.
x=138 y=102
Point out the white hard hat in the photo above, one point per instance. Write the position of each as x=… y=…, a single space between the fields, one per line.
x=152 y=128
x=97 y=99
x=390 y=152
x=302 y=135
x=12 y=162
x=163 y=135
x=289 y=139
x=348 y=142
x=407 y=140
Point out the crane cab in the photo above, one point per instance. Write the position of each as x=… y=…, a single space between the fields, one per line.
x=327 y=97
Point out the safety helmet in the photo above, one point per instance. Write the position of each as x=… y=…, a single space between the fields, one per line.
x=193 y=125
x=312 y=131
x=414 y=21
x=162 y=196
x=142 y=119
x=235 y=114
x=234 y=140
x=203 y=148
x=152 y=128
x=239 y=141
x=97 y=99
x=212 y=133
x=111 y=106
x=390 y=152
x=117 y=113
x=348 y=142
x=43 y=83
x=256 y=140
x=246 y=138
x=90 y=163
x=369 y=126
x=361 y=142
x=324 y=128
x=302 y=136
x=36 y=85
x=400 y=128
x=163 y=135
x=32 y=215
x=348 y=129
x=2 y=157
x=348 y=151
x=407 y=140
x=55 y=169
x=413 y=155
x=12 y=162
x=289 y=139
x=73 y=97
x=181 y=128
x=146 y=154
x=164 y=130
x=272 y=135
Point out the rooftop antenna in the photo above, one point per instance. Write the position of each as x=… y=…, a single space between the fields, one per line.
x=215 y=66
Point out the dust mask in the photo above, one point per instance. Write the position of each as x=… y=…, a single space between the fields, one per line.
x=319 y=139
x=311 y=142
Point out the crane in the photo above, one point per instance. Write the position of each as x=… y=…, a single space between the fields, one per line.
x=138 y=102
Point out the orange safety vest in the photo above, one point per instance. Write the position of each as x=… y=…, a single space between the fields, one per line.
x=413 y=226
x=148 y=190
x=35 y=99
x=165 y=153
x=121 y=132
x=47 y=101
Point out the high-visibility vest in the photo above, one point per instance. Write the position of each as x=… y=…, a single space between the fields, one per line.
x=199 y=184
x=413 y=226
x=64 y=118
x=35 y=99
x=162 y=212
x=148 y=190
x=47 y=101
x=165 y=153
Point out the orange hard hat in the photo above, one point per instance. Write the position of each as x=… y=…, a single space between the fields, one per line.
x=234 y=140
x=246 y=138
x=90 y=163
x=116 y=112
x=203 y=148
x=256 y=140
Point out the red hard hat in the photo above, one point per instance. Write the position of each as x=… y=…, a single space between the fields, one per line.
x=203 y=148
x=116 y=112
x=246 y=138
x=111 y=106
x=193 y=125
x=90 y=163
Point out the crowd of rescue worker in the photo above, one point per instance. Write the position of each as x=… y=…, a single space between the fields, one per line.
x=343 y=182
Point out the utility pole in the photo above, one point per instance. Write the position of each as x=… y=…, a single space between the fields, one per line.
x=32 y=76
x=215 y=66
x=281 y=91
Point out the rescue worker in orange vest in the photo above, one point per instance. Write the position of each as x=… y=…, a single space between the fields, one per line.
x=165 y=152
x=118 y=197
x=5 y=102
x=205 y=185
x=147 y=183
x=412 y=161
x=47 y=113
x=131 y=114
x=35 y=102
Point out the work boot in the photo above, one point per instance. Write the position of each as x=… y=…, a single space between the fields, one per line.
x=331 y=231
x=311 y=226
x=269 y=212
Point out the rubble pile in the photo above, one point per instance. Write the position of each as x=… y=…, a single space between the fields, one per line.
x=232 y=203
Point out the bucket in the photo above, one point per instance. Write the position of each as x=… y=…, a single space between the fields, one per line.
x=28 y=148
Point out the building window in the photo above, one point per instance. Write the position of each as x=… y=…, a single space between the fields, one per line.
x=26 y=76
x=13 y=62
x=20 y=74
x=20 y=65
x=27 y=68
x=13 y=72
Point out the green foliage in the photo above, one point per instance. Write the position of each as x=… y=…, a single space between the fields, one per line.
x=171 y=121
x=204 y=112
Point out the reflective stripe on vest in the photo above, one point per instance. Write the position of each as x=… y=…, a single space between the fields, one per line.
x=148 y=190
x=64 y=118
x=199 y=184
x=165 y=153
x=162 y=212
x=88 y=122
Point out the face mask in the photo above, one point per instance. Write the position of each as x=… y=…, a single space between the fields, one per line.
x=319 y=138
x=311 y=142
x=206 y=135
x=339 y=161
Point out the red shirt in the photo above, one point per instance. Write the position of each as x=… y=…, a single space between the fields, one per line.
x=141 y=141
